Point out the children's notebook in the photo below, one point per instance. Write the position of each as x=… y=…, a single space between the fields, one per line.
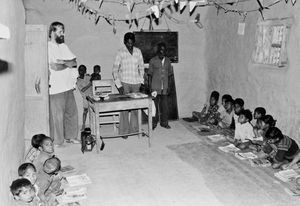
x=229 y=148
x=77 y=180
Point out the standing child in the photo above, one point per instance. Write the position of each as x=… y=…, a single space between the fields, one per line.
x=209 y=114
x=96 y=74
x=84 y=86
x=24 y=193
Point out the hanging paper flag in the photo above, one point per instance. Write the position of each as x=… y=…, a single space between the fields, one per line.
x=97 y=18
x=4 y=32
x=286 y=1
x=182 y=5
x=192 y=5
x=161 y=4
x=155 y=10
x=114 y=27
x=101 y=1
x=136 y=20
x=128 y=4
x=176 y=1
x=294 y=2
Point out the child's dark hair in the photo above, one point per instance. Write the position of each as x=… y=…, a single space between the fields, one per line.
x=274 y=133
x=215 y=95
x=36 y=140
x=239 y=101
x=229 y=100
x=18 y=184
x=52 y=165
x=82 y=67
x=260 y=110
x=268 y=119
x=24 y=167
x=247 y=113
x=226 y=96
x=97 y=67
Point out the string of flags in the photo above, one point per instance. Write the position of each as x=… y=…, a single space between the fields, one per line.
x=158 y=8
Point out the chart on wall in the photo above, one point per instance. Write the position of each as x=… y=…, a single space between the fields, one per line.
x=147 y=42
x=271 y=42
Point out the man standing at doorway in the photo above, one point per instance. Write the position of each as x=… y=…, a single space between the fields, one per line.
x=128 y=74
x=160 y=69
x=63 y=109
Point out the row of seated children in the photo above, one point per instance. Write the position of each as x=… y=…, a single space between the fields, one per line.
x=39 y=181
x=258 y=134
x=84 y=85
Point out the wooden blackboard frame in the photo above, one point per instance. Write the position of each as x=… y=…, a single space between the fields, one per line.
x=148 y=40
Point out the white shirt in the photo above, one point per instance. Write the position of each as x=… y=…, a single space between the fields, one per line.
x=243 y=132
x=64 y=80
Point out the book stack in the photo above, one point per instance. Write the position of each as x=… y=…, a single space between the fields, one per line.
x=287 y=175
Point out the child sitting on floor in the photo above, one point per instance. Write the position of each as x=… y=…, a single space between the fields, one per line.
x=46 y=151
x=238 y=105
x=243 y=134
x=34 y=151
x=208 y=115
x=259 y=112
x=222 y=106
x=24 y=193
x=27 y=170
x=284 y=148
x=48 y=180
x=264 y=123
x=226 y=117
x=84 y=86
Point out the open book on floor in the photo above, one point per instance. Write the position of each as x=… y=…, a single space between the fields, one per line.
x=67 y=169
x=72 y=196
x=216 y=137
x=229 y=148
x=260 y=163
x=77 y=180
x=245 y=155
x=287 y=175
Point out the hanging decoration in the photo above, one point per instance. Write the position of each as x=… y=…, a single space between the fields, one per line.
x=159 y=8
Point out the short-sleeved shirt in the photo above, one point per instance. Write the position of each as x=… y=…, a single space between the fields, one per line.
x=286 y=148
x=64 y=80
x=129 y=68
x=81 y=83
x=226 y=118
x=243 y=131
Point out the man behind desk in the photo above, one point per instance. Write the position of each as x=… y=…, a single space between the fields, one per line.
x=62 y=66
x=160 y=69
x=128 y=73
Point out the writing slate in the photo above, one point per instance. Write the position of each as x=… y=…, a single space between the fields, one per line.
x=147 y=43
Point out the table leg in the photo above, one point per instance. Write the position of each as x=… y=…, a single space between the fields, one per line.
x=97 y=127
x=149 y=122
x=140 y=122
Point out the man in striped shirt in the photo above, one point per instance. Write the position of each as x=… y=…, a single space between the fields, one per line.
x=128 y=74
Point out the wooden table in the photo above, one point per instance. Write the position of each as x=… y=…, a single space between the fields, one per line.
x=117 y=102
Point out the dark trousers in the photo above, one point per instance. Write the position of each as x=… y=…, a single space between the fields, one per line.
x=161 y=105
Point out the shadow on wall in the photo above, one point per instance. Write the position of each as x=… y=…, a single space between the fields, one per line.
x=3 y=66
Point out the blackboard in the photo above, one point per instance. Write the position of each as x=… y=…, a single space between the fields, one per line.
x=147 y=42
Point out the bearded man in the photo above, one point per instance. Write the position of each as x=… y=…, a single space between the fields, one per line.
x=62 y=66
